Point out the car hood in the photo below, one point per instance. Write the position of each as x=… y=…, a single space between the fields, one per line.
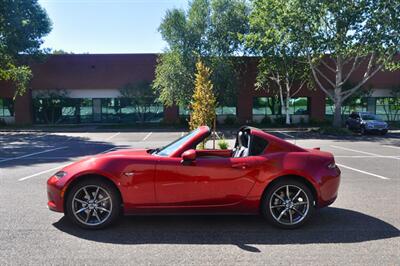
x=125 y=152
x=89 y=161
x=375 y=122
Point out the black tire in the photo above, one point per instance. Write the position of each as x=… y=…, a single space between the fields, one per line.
x=362 y=130
x=96 y=210
x=269 y=199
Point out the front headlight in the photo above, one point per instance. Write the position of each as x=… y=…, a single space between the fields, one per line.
x=60 y=174
x=332 y=165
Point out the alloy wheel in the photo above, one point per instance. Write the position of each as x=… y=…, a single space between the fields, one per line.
x=92 y=205
x=289 y=205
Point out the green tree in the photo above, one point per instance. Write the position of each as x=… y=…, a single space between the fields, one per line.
x=140 y=96
x=210 y=30
x=49 y=105
x=22 y=26
x=204 y=103
x=342 y=38
x=282 y=69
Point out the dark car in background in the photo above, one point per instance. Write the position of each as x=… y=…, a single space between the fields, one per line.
x=364 y=122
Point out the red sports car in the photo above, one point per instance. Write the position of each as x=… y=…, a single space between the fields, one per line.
x=261 y=174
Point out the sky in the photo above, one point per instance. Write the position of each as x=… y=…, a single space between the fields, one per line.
x=107 y=26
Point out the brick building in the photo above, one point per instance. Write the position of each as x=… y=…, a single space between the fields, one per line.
x=88 y=88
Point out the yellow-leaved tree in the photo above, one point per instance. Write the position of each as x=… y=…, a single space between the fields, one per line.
x=204 y=102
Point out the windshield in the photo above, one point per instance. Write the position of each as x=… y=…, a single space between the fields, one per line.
x=170 y=148
x=370 y=117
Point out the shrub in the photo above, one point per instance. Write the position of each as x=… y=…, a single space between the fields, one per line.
x=280 y=120
x=266 y=120
x=329 y=130
x=230 y=120
x=183 y=120
x=2 y=122
x=223 y=144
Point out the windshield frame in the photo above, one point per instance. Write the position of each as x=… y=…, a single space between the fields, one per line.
x=367 y=116
x=172 y=147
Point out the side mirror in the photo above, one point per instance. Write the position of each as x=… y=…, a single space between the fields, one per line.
x=188 y=157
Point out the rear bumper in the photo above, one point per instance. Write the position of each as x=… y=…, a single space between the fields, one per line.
x=329 y=187
x=54 y=195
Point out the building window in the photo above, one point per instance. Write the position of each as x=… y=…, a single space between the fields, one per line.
x=127 y=110
x=225 y=110
x=57 y=110
x=110 y=110
x=184 y=111
x=354 y=105
x=6 y=107
x=299 y=106
x=219 y=111
x=86 y=110
x=113 y=110
x=266 y=106
x=388 y=108
x=272 y=106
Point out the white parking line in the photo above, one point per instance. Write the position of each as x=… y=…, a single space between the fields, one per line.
x=364 y=156
x=394 y=147
x=31 y=154
x=55 y=168
x=147 y=136
x=363 y=152
x=110 y=137
x=43 y=172
x=363 y=172
x=286 y=134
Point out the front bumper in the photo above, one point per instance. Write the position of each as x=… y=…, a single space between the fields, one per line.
x=55 y=195
x=376 y=130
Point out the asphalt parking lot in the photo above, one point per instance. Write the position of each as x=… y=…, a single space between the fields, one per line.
x=361 y=227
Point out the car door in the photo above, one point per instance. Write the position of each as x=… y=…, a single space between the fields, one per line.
x=206 y=182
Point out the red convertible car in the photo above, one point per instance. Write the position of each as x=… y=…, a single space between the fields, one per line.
x=261 y=174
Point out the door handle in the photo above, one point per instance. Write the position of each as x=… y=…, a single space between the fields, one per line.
x=242 y=166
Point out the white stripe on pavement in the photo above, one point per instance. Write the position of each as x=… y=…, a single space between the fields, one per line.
x=363 y=172
x=31 y=154
x=286 y=134
x=363 y=152
x=58 y=167
x=110 y=137
x=43 y=172
x=364 y=156
x=147 y=136
x=393 y=147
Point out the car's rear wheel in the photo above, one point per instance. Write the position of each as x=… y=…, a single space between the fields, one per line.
x=288 y=204
x=93 y=204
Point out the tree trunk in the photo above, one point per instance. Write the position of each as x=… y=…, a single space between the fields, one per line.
x=337 y=115
x=337 y=99
x=287 y=101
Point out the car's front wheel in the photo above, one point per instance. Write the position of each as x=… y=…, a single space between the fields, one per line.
x=362 y=130
x=288 y=204
x=93 y=204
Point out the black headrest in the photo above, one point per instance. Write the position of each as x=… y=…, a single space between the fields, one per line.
x=243 y=138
